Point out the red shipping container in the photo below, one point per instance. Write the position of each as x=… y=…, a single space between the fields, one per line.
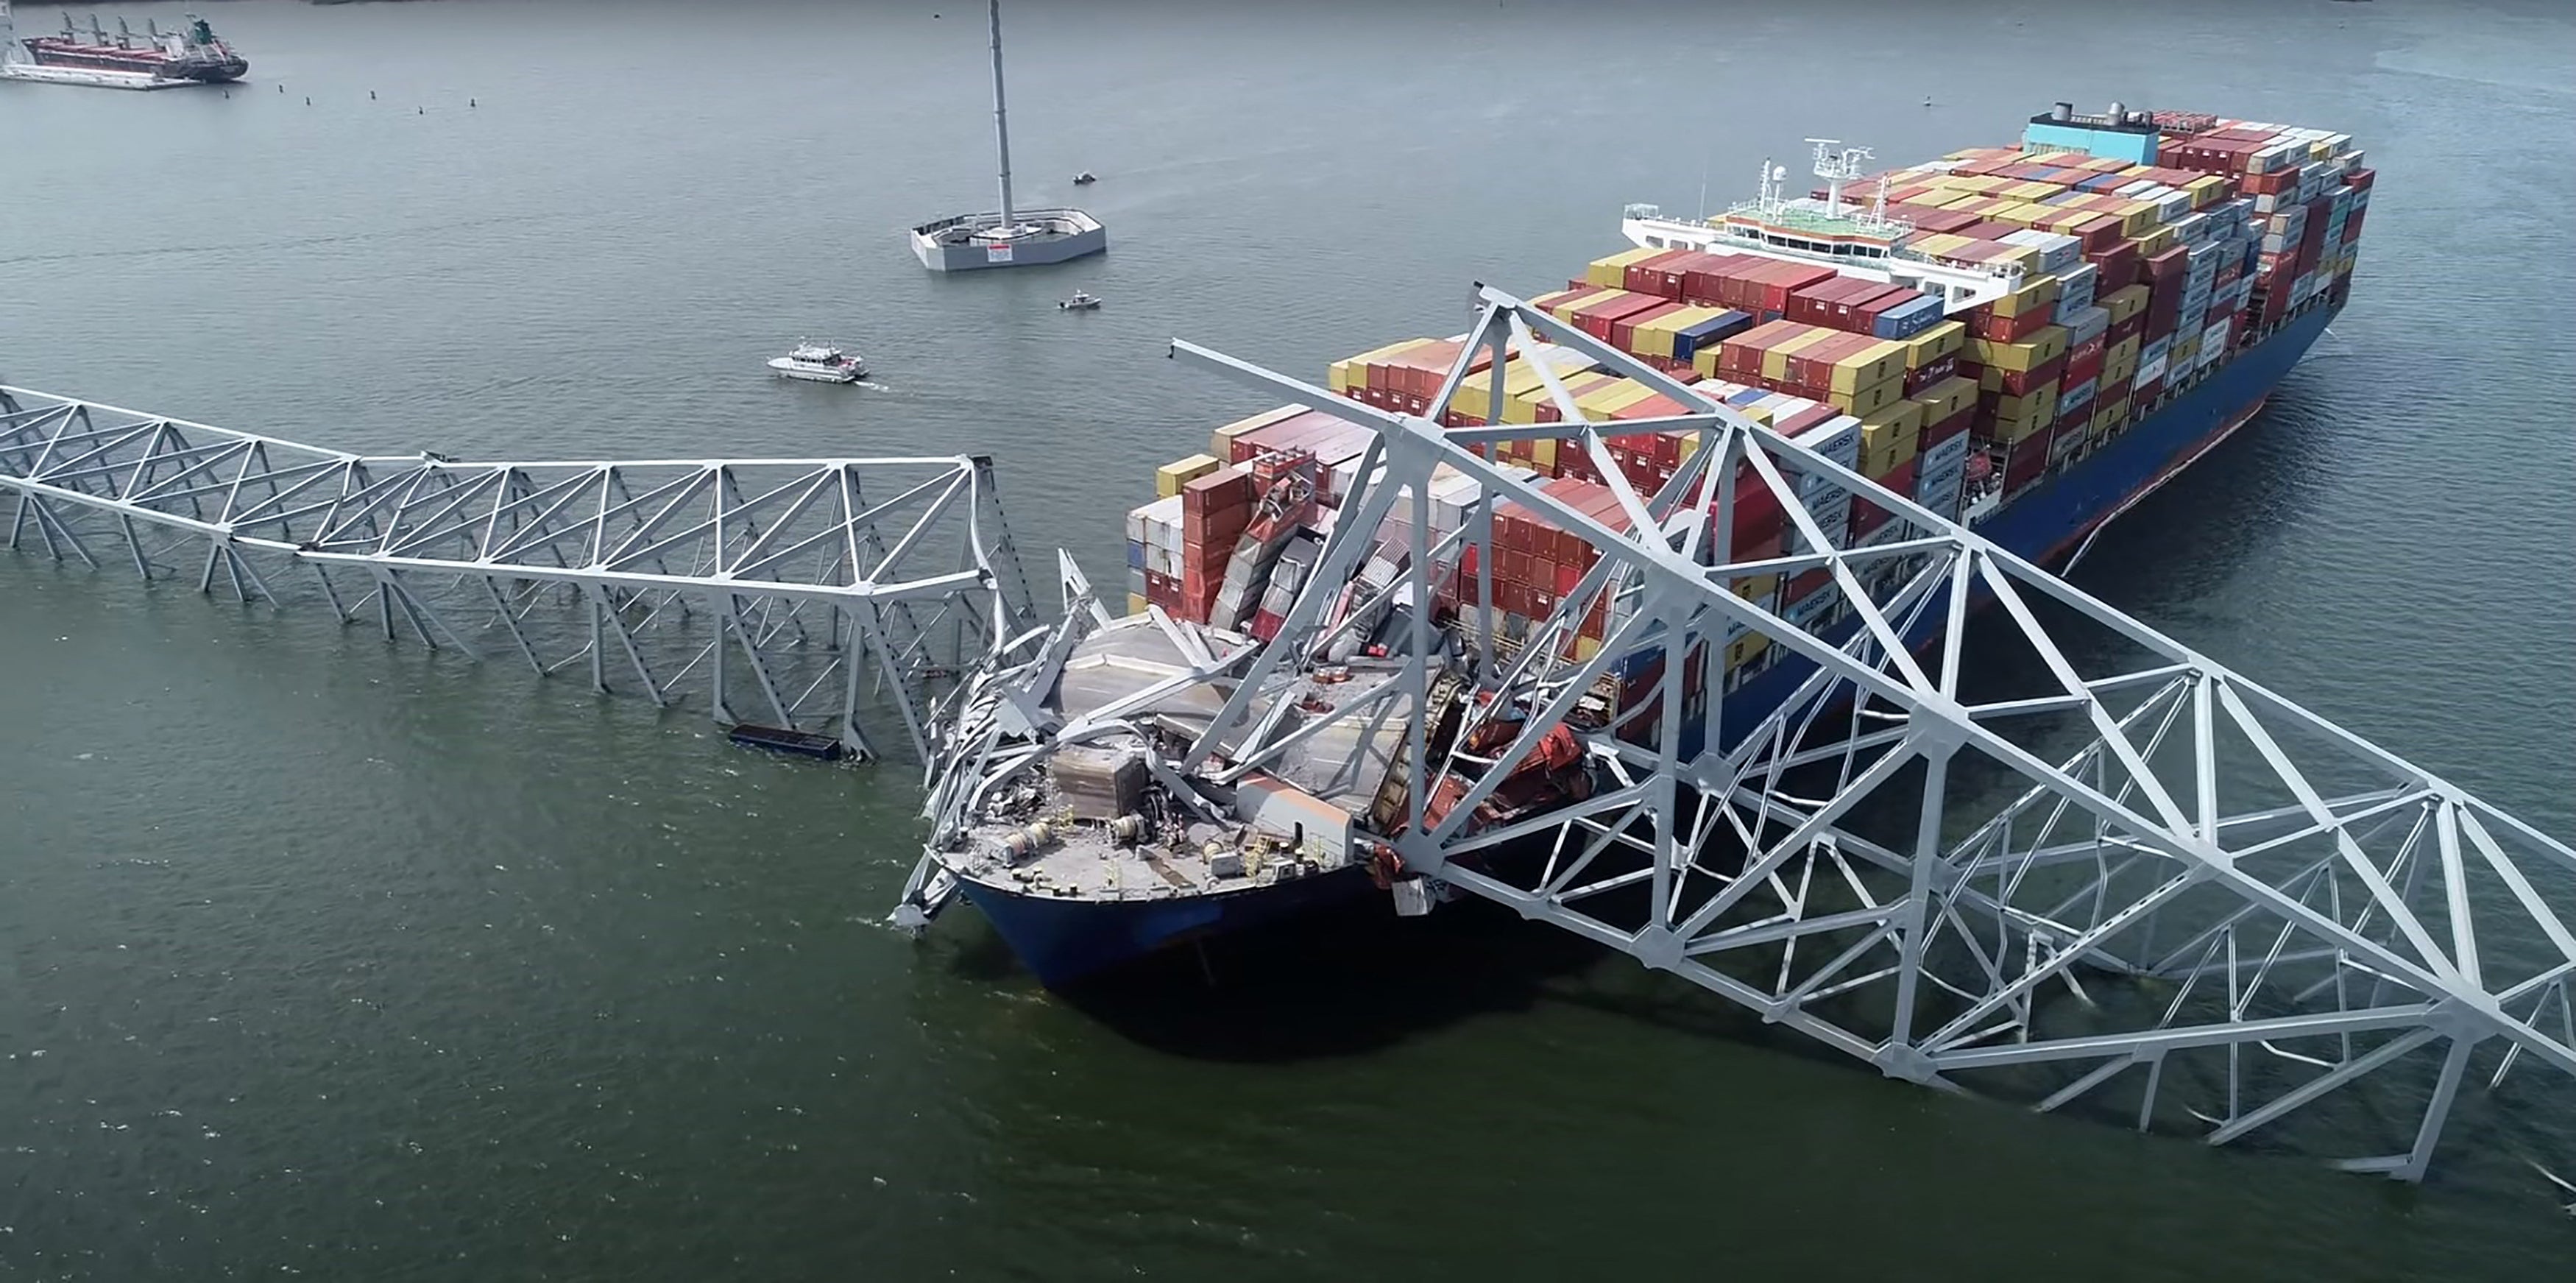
x=2115 y=268
x=1811 y=368
x=1623 y=332
x=1780 y=278
x=1704 y=282
x=2028 y=460
x=2019 y=382
x=1929 y=373
x=1985 y=324
x=1867 y=516
x=1956 y=425
x=1813 y=304
x=1804 y=583
x=1595 y=314
x=1929 y=220
x=1645 y=276
x=1865 y=313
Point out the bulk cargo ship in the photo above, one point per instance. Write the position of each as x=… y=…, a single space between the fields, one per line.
x=155 y=60
x=2026 y=339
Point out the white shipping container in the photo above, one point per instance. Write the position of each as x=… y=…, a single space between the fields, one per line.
x=2149 y=371
x=1948 y=452
x=1892 y=530
x=2087 y=325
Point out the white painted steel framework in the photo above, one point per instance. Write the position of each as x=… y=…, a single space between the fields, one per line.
x=808 y=594
x=2045 y=852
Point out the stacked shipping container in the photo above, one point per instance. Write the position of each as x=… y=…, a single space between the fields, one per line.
x=2128 y=282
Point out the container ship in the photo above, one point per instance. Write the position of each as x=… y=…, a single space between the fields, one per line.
x=2025 y=338
x=156 y=59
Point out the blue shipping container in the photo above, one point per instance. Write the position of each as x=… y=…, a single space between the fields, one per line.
x=1909 y=319
x=1690 y=340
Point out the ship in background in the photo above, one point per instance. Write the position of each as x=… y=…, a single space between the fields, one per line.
x=157 y=59
x=2024 y=339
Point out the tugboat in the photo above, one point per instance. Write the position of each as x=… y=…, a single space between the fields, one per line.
x=156 y=60
x=820 y=363
x=1080 y=302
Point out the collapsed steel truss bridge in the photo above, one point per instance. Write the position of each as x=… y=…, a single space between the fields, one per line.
x=817 y=595
x=2042 y=851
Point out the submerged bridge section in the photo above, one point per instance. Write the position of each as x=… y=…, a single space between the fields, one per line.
x=2045 y=852
x=829 y=596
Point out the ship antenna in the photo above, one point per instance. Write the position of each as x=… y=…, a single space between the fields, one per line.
x=1001 y=121
x=1703 y=172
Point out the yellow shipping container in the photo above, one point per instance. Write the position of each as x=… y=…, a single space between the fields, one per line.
x=2119 y=412
x=1523 y=408
x=2124 y=302
x=1890 y=437
x=2032 y=192
x=1169 y=478
x=1938 y=243
x=1869 y=400
x=1705 y=361
x=2206 y=190
x=1543 y=455
x=2026 y=214
x=1655 y=337
x=2156 y=240
x=1757 y=588
x=1775 y=359
x=2178 y=360
x=1745 y=649
x=1879 y=361
x=1221 y=442
x=1601 y=402
x=1612 y=272
x=1931 y=345
x=1136 y=603
x=1585 y=648
x=2137 y=218
x=2037 y=406
x=2044 y=345
x=1947 y=398
x=2036 y=294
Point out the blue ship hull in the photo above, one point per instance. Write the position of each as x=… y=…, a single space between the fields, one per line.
x=1062 y=941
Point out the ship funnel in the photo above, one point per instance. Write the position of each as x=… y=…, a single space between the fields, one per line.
x=2119 y=113
x=2062 y=111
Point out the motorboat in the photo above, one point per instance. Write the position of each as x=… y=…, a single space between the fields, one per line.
x=1085 y=178
x=1080 y=302
x=820 y=362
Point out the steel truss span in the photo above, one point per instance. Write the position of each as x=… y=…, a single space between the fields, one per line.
x=822 y=595
x=2045 y=852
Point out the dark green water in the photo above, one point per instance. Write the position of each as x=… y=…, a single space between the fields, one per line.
x=331 y=958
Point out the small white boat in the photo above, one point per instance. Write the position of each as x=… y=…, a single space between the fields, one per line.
x=1085 y=178
x=821 y=363
x=1080 y=302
